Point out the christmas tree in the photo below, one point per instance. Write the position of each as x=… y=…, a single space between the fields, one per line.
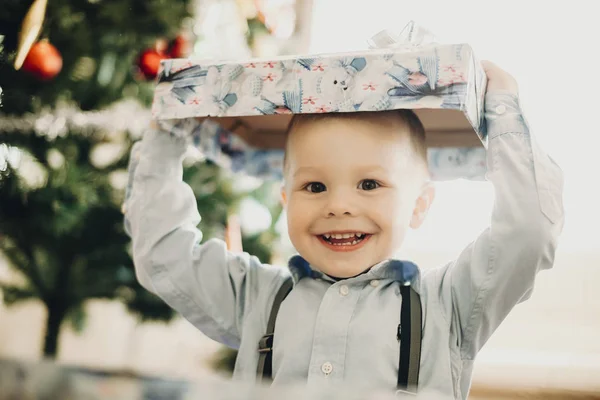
x=68 y=118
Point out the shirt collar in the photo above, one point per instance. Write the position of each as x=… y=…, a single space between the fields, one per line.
x=405 y=272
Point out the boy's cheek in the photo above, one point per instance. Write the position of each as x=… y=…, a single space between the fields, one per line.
x=297 y=206
x=389 y=207
x=393 y=218
x=300 y=216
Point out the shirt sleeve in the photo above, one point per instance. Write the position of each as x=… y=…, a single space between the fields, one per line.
x=211 y=287
x=497 y=270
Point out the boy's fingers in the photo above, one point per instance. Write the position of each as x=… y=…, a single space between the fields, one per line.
x=499 y=79
x=489 y=66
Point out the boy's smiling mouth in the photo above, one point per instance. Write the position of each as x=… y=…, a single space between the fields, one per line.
x=344 y=241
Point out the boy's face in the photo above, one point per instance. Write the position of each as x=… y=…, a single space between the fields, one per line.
x=352 y=189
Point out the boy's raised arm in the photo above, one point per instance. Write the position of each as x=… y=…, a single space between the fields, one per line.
x=498 y=269
x=211 y=287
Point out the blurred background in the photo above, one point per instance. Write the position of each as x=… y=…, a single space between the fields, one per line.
x=70 y=114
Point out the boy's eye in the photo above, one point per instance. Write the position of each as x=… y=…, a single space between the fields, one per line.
x=315 y=187
x=369 y=184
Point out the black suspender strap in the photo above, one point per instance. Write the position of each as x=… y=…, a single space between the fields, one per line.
x=409 y=334
x=265 y=346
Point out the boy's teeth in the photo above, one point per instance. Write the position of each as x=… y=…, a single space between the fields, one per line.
x=355 y=238
x=343 y=235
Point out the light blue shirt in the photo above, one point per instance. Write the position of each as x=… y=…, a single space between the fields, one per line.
x=344 y=332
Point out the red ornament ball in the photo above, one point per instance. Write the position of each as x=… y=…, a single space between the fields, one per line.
x=43 y=61
x=180 y=47
x=149 y=63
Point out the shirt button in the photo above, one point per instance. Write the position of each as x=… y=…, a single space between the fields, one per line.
x=123 y=208
x=374 y=283
x=501 y=109
x=327 y=368
x=344 y=290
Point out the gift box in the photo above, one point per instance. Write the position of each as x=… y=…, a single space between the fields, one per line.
x=237 y=112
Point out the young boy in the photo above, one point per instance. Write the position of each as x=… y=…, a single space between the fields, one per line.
x=353 y=185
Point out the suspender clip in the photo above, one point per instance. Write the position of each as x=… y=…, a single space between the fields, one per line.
x=402 y=393
x=265 y=345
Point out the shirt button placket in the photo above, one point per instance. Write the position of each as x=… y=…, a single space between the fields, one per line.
x=327 y=368
x=344 y=290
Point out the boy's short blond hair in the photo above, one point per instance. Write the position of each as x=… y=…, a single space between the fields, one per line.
x=405 y=117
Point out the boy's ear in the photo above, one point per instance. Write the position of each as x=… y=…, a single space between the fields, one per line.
x=422 y=205
x=284 y=199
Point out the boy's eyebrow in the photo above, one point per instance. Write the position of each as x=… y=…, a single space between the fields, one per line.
x=303 y=170
x=362 y=169
x=373 y=168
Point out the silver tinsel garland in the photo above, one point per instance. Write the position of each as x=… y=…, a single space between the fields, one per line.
x=125 y=116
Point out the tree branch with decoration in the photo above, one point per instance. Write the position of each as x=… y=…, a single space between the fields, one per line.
x=76 y=80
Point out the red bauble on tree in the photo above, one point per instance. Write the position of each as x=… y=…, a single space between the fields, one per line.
x=180 y=47
x=43 y=61
x=150 y=59
x=149 y=63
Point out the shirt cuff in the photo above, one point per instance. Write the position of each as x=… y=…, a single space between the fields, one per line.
x=503 y=114
x=161 y=153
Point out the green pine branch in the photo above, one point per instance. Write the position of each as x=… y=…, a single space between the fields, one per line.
x=15 y=294
x=21 y=257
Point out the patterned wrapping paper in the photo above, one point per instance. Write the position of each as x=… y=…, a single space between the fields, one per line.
x=436 y=78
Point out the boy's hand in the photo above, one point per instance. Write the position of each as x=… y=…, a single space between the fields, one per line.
x=498 y=79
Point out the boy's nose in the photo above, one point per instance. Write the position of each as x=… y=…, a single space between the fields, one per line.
x=334 y=214
x=339 y=204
